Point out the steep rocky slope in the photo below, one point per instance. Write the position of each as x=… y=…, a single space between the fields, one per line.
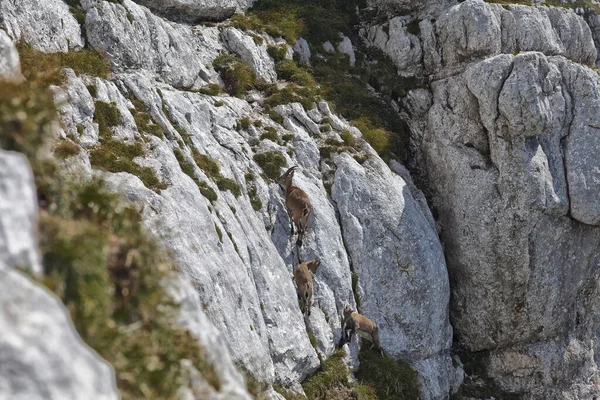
x=504 y=144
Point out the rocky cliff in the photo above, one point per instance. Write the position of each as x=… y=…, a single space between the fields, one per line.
x=496 y=285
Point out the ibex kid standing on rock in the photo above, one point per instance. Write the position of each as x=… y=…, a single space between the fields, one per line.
x=304 y=283
x=363 y=326
x=297 y=204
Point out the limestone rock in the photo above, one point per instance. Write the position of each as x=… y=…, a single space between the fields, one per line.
x=60 y=366
x=47 y=25
x=301 y=47
x=255 y=54
x=10 y=65
x=18 y=214
x=195 y=10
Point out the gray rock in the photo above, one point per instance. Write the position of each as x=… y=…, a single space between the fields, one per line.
x=505 y=169
x=328 y=47
x=10 y=65
x=301 y=47
x=47 y=25
x=18 y=214
x=403 y=48
x=179 y=54
x=399 y=260
x=195 y=10
x=41 y=355
x=345 y=47
x=256 y=55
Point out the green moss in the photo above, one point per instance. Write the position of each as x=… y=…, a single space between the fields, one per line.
x=219 y=103
x=244 y=122
x=277 y=52
x=258 y=40
x=290 y=71
x=270 y=134
x=219 y=233
x=391 y=379
x=207 y=164
x=254 y=199
x=275 y=116
x=211 y=89
x=99 y=261
x=66 y=148
x=271 y=163
x=288 y=137
x=331 y=382
x=257 y=123
x=288 y=394
x=290 y=94
x=233 y=243
x=188 y=168
x=46 y=68
x=237 y=75
x=228 y=184
x=93 y=90
x=115 y=156
x=107 y=115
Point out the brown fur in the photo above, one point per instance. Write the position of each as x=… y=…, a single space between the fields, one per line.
x=304 y=283
x=297 y=204
x=366 y=328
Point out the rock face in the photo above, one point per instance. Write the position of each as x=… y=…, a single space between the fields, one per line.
x=46 y=25
x=10 y=65
x=18 y=213
x=499 y=144
x=195 y=10
x=60 y=366
x=238 y=256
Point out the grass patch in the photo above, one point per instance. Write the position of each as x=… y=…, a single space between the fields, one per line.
x=271 y=163
x=331 y=382
x=277 y=22
x=101 y=263
x=188 y=168
x=292 y=93
x=290 y=71
x=243 y=123
x=228 y=184
x=107 y=115
x=219 y=233
x=65 y=149
x=277 y=52
x=391 y=379
x=270 y=134
x=144 y=121
x=288 y=394
x=46 y=68
x=211 y=89
x=115 y=156
x=213 y=171
x=237 y=75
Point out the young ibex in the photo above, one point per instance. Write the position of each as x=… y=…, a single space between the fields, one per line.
x=297 y=204
x=304 y=283
x=353 y=322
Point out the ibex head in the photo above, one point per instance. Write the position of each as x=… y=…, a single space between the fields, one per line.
x=347 y=311
x=285 y=180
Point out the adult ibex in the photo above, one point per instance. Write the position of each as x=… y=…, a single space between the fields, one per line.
x=304 y=283
x=353 y=322
x=297 y=204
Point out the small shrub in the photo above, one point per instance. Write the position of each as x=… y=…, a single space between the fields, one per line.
x=229 y=184
x=107 y=115
x=207 y=164
x=257 y=123
x=237 y=75
x=290 y=94
x=93 y=90
x=274 y=115
x=290 y=71
x=219 y=103
x=207 y=191
x=277 y=52
x=391 y=379
x=271 y=163
x=211 y=89
x=115 y=156
x=324 y=128
x=288 y=394
x=66 y=148
x=331 y=382
x=348 y=138
x=378 y=138
x=46 y=68
x=244 y=123
x=258 y=40
x=271 y=134
x=288 y=137
x=219 y=233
